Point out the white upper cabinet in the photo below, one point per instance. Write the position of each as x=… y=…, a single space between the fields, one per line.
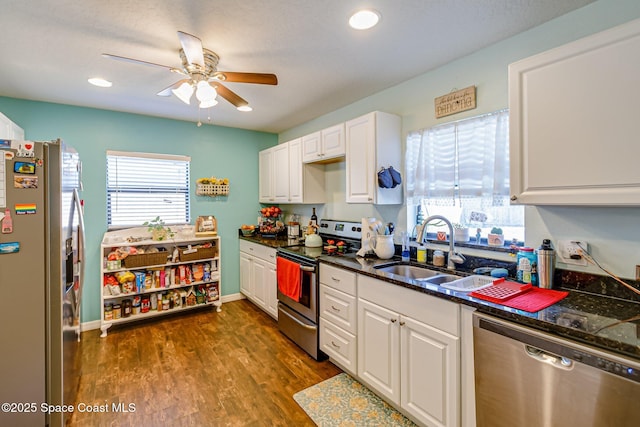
x=265 y=176
x=574 y=124
x=324 y=146
x=285 y=179
x=372 y=142
x=281 y=173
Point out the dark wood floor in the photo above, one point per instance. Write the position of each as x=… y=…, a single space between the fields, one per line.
x=232 y=368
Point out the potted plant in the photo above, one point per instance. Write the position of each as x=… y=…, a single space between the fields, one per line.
x=460 y=232
x=159 y=231
x=495 y=237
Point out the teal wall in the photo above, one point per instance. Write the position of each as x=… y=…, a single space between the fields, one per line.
x=214 y=150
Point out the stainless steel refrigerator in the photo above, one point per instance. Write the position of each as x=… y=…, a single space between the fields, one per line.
x=41 y=274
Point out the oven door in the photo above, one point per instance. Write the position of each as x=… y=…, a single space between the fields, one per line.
x=307 y=305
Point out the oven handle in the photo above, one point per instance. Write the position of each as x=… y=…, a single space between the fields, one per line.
x=305 y=268
x=311 y=328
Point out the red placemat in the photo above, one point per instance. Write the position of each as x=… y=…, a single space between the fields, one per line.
x=535 y=299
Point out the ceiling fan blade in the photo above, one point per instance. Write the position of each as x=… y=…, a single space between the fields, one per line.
x=230 y=96
x=167 y=91
x=192 y=47
x=257 y=78
x=137 y=61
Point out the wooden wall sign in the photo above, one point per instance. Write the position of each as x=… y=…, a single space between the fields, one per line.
x=456 y=102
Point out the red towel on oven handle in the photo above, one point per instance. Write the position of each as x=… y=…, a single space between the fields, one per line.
x=288 y=276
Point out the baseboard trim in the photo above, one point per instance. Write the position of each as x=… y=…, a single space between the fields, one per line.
x=95 y=324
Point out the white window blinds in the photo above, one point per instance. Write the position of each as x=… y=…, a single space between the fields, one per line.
x=141 y=186
x=463 y=165
x=468 y=159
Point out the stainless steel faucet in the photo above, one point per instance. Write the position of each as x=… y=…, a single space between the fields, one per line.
x=453 y=258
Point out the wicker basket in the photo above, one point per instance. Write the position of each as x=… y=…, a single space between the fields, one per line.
x=200 y=253
x=212 y=189
x=144 y=260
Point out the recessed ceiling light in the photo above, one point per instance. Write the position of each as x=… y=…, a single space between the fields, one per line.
x=96 y=81
x=245 y=108
x=364 y=19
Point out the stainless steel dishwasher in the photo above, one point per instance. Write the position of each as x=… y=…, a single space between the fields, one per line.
x=525 y=377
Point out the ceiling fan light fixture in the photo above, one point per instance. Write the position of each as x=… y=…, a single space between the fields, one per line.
x=97 y=81
x=244 y=108
x=364 y=19
x=208 y=103
x=205 y=92
x=184 y=92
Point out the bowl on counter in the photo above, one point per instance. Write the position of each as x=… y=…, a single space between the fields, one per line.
x=248 y=232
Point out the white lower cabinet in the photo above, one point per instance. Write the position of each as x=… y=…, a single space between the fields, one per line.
x=338 y=317
x=379 y=344
x=429 y=373
x=409 y=350
x=258 y=276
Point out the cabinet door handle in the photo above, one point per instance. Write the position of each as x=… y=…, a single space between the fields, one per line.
x=402 y=323
x=335 y=279
x=334 y=344
x=369 y=198
x=393 y=320
x=335 y=308
x=514 y=198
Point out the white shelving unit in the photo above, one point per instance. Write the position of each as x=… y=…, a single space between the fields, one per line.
x=188 y=279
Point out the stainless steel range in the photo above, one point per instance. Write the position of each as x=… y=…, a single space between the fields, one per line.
x=298 y=284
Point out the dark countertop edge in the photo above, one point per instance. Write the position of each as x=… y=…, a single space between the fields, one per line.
x=268 y=241
x=573 y=304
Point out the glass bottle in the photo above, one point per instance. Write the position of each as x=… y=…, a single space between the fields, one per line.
x=314 y=217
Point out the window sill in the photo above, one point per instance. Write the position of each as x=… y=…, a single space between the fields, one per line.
x=506 y=248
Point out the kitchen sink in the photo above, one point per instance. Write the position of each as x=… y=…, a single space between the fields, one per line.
x=443 y=279
x=408 y=271
x=421 y=274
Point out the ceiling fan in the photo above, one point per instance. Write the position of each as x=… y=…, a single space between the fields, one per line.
x=201 y=75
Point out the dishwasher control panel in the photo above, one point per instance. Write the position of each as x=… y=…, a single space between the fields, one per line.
x=604 y=364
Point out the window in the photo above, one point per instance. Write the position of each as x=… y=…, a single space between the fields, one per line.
x=141 y=186
x=460 y=170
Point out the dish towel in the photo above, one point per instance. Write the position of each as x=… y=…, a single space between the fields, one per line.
x=288 y=276
x=532 y=300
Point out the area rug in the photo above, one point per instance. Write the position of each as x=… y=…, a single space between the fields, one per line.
x=343 y=401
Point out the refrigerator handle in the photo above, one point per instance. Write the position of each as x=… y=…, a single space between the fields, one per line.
x=81 y=250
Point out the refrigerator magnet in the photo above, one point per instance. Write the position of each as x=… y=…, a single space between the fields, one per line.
x=9 y=247
x=8 y=155
x=24 y=148
x=23 y=181
x=28 y=168
x=25 y=209
x=5 y=144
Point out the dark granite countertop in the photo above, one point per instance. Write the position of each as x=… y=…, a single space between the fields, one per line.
x=608 y=323
x=270 y=241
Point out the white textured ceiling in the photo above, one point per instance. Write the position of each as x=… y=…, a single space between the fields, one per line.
x=50 y=48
